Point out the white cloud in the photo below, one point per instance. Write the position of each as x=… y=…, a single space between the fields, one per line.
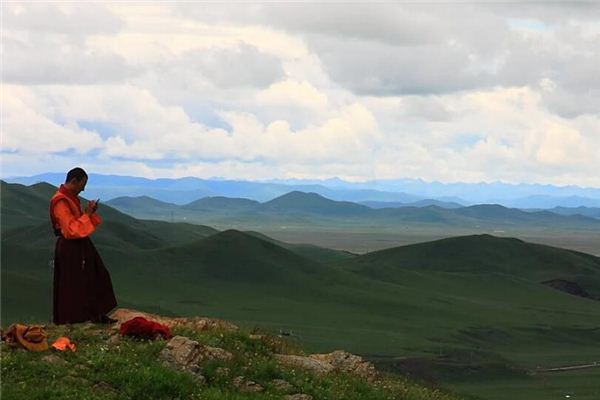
x=48 y=43
x=243 y=65
x=26 y=130
x=444 y=92
x=72 y=19
x=291 y=93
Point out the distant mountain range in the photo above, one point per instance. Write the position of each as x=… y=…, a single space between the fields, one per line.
x=420 y=203
x=586 y=211
x=311 y=208
x=185 y=190
x=510 y=195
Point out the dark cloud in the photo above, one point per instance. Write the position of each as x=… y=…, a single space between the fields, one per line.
x=369 y=68
x=434 y=48
x=570 y=104
x=563 y=65
x=64 y=18
x=46 y=43
x=425 y=107
x=43 y=60
x=242 y=66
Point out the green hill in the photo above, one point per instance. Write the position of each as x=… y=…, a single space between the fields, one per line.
x=313 y=203
x=313 y=211
x=222 y=203
x=482 y=254
x=20 y=204
x=143 y=201
x=309 y=251
x=235 y=256
x=25 y=220
x=496 y=212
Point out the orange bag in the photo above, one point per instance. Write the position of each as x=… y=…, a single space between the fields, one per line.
x=63 y=343
x=33 y=337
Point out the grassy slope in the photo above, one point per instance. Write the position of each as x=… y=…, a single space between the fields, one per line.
x=105 y=368
x=506 y=319
x=482 y=253
x=246 y=279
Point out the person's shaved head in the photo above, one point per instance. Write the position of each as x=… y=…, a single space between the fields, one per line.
x=76 y=173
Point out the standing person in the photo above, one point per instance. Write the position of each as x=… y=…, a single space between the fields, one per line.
x=82 y=286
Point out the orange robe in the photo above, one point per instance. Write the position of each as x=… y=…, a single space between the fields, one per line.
x=82 y=285
x=67 y=217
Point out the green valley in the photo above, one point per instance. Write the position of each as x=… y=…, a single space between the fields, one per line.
x=469 y=313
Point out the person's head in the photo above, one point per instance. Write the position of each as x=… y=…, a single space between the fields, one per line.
x=76 y=180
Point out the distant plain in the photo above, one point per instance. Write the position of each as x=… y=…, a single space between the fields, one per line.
x=358 y=242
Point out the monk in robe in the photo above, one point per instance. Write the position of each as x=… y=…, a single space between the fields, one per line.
x=82 y=286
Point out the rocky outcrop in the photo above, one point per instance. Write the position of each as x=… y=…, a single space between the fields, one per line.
x=298 y=396
x=187 y=355
x=246 y=386
x=337 y=361
x=195 y=323
x=306 y=363
x=282 y=385
x=342 y=361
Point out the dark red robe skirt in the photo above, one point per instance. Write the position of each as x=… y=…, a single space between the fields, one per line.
x=82 y=286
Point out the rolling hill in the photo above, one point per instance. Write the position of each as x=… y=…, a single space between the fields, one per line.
x=219 y=203
x=472 y=308
x=482 y=254
x=239 y=257
x=420 y=203
x=306 y=209
x=585 y=211
x=313 y=203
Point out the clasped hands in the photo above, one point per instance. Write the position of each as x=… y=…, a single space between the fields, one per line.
x=92 y=206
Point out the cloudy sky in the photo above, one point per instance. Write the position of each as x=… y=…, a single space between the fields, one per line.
x=439 y=91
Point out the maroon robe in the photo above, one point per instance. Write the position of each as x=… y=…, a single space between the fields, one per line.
x=82 y=286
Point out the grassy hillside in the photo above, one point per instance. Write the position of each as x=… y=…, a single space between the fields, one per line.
x=471 y=310
x=312 y=203
x=219 y=203
x=312 y=252
x=106 y=366
x=482 y=254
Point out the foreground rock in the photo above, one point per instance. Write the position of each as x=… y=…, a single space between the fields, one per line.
x=282 y=385
x=342 y=361
x=298 y=396
x=337 y=361
x=196 y=323
x=246 y=386
x=306 y=363
x=187 y=355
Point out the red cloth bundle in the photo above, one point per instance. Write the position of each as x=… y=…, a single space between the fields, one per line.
x=142 y=328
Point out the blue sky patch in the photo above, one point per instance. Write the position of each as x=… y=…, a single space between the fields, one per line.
x=205 y=115
x=104 y=129
x=467 y=140
x=527 y=23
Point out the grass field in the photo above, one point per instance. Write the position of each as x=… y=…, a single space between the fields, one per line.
x=580 y=385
